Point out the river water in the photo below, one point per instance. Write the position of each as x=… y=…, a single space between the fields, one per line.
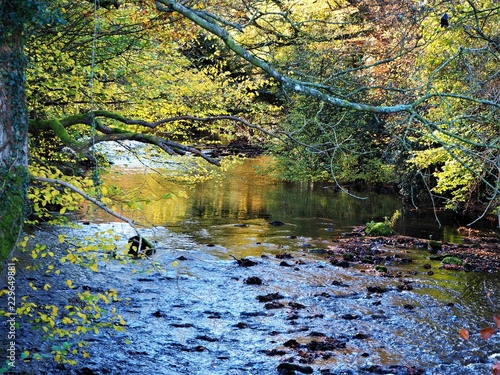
x=196 y=311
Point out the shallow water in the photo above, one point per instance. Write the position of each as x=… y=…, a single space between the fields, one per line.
x=201 y=317
x=241 y=196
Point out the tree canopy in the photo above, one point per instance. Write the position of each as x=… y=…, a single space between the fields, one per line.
x=377 y=92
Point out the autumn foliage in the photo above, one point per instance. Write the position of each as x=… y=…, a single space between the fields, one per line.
x=485 y=334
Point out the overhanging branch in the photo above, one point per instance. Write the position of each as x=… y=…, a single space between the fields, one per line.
x=86 y=197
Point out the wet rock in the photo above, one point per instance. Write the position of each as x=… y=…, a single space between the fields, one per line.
x=434 y=246
x=291 y=368
x=379 y=268
x=252 y=313
x=285 y=264
x=323 y=294
x=284 y=256
x=182 y=325
x=318 y=251
x=182 y=257
x=145 y=279
x=348 y=256
x=274 y=352
x=213 y=314
x=241 y=325
x=293 y=317
x=360 y=336
x=349 y=316
x=404 y=287
x=254 y=280
x=408 y=306
x=274 y=305
x=328 y=344
x=427 y=266
x=296 y=305
x=139 y=246
x=276 y=223
x=292 y=343
x=157 y=314
x=270 y=297
x=245 y=262
x=376 y=289
x=340 y=263
x=339 y=283
x=405 y=260
x=240 y=225
x=317 y=334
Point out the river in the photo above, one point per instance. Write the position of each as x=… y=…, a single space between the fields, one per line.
x=196 y=311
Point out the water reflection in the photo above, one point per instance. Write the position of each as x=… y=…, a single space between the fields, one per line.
x=243 y=196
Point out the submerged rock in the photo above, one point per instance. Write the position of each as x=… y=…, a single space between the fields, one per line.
x=270 y=297
x=291 y=368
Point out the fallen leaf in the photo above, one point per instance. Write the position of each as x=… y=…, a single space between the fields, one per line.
x=487 y=332
x=496 y=319
x=464 y=334
x=496 y=368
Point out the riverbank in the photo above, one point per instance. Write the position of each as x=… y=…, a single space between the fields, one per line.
x=197 y=310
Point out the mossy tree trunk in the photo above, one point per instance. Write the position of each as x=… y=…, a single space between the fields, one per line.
x=13 y=126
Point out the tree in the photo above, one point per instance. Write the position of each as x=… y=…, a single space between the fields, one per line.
x=13 y=120
x=425 y=110
x=108 y=71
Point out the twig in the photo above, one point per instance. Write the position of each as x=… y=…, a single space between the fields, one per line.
x=89 y=198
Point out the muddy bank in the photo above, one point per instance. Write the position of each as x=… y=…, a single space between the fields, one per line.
x=290 y=309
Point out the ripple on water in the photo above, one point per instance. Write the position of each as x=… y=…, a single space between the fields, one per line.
x=202 y=318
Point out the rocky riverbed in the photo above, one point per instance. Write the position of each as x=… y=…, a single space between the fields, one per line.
x=385 y=305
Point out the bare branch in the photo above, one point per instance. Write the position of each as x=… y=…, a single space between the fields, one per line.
x=87 y=197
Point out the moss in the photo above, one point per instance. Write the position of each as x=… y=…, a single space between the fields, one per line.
x=348 y=256
x=452 y=260
x=380 y=268
x=12 y=201
x=434 y=245
x=378 y=229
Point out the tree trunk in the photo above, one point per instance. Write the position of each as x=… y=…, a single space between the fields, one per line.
x=13 y=128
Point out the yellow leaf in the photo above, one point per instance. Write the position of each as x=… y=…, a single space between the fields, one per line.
x=93 y=267
x=69 y=283
x=62 y=210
